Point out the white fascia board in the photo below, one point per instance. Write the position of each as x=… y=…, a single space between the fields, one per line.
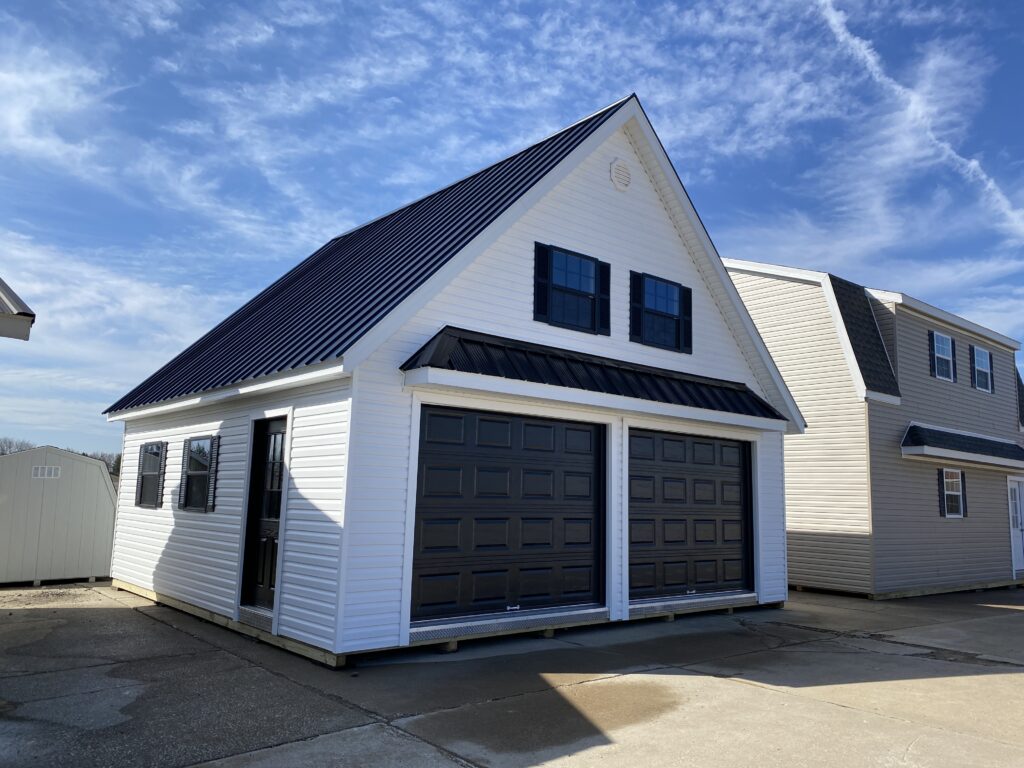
x=258 y=387
x=797 y=423
x=421 y=378
x=947 y=318
x=928 y=453
x=775 y=270
x=407 y=309
x=881 y=397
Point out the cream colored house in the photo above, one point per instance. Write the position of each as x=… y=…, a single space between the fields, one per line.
x=910 y=475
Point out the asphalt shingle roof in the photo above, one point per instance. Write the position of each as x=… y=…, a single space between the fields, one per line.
x=865 y=338
x=951 y=441
x=321 y=307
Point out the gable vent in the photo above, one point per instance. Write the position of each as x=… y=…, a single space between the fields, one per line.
x=621 y=176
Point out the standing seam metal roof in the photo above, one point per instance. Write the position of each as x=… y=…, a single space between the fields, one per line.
x=455 y=349
x=326 y=303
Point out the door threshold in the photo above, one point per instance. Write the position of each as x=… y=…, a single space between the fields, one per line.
x=484 y=625
x=256 y=616
x=659 y=606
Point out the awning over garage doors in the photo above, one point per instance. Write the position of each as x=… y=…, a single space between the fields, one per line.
x=508 y=513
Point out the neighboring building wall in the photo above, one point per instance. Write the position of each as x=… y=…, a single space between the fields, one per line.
x=195 y=556
x=54 y=528
x=827 y=510
x=585 y=213
x=914 y=546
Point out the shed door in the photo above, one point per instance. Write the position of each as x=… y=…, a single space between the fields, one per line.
x=508 y=513
x=689 y=515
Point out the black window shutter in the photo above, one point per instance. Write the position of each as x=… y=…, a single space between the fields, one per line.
x=184 y=475
x=212 y=492
x=963 y=493
x=160 y=477
x=942 y=494
x=991 y=372
x=604 y=298
x=138 y=478
x=636 y=307
x=686 y=319
x=974 y=372
x=952 y=353
x=931 y=352
x=541 y=276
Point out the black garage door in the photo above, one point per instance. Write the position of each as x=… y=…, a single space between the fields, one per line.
x=507 y=513
x=689 y=515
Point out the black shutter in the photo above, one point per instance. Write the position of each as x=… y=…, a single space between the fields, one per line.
x=974 y=373
x=991 y=372
x=212 y=491
x=604 y=298
x=541 y=277
x=184 y=475
x=931 y=352
x=636 y=307
x=686 y=319
x=138 y=478
x=942 y=494
x=952 y=353
x=160 y=477
x=963 y=493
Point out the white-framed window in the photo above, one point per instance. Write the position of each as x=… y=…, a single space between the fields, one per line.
x=982 y=369
x=45 y=473
x=943 y=351
x=953 y=492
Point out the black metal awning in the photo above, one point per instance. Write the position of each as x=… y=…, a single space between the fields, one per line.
x=454 y=349
x=918 y=439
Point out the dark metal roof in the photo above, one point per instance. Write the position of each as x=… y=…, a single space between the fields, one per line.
x=951 y=441
x=454 y=349
x=321 y=307
x=11 y=303
x=865 y=338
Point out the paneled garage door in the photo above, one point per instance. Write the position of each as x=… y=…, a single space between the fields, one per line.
x=689 y=515
x=507 y=513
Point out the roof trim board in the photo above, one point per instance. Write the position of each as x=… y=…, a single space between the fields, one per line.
x=934 y=443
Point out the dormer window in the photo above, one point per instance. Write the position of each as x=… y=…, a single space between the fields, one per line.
x=660 y=313
x=571 y=290
x=981 y=369
x=943 y=356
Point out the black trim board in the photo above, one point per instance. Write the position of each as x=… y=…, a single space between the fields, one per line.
x=455 y=349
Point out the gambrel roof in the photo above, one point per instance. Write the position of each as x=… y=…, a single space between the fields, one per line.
x=321 y=307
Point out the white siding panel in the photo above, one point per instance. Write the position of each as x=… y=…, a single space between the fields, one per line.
x=631 y=231
x=826 y=468
x=54 y=528
x=195 y=557
x=770 y=521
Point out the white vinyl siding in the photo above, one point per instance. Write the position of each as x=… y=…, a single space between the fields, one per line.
x=584 y=213
x=195 y=556
x=826 y=469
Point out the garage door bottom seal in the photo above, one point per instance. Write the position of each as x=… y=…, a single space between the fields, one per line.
x=493 y=624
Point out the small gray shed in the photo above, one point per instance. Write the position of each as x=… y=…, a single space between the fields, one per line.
x=56 y=516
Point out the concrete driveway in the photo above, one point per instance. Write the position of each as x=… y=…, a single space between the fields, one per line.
x=94 y=677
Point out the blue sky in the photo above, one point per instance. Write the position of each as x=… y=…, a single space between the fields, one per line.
x=162 y=160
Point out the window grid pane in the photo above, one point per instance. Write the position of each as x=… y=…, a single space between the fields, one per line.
x=942 y=345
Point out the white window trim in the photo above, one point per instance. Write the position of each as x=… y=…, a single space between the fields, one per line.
x=978 y=369
x=935 y=351
x=959 y=494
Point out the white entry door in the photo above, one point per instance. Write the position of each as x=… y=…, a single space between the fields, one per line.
x=1017 y=524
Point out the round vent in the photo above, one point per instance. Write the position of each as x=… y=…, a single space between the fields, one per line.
x=621 y=177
